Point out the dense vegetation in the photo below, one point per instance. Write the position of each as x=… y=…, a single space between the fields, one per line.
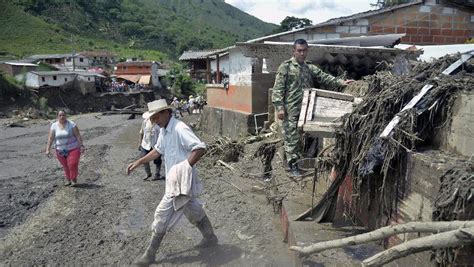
x=125 y=26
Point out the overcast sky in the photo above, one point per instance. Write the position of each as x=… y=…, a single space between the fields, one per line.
x=275 y=11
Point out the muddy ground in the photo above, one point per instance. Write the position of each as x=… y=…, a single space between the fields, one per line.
x=106 y=219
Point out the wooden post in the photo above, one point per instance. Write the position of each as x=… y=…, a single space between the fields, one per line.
x=208 y=70
x=218 y=74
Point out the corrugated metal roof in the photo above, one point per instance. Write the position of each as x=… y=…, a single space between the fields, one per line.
x=136 y=63
x=49 y=56
x=188 y=55
x=19 y=63
x=81 y=73
x=145 y=79
x=336 y=21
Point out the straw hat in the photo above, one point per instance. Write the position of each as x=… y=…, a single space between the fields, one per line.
x=155 y=107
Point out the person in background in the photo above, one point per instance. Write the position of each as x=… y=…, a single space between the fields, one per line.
x=292 y=77
x=181 y=150
x=149 y=133
x=177 y=106
x=69 y=146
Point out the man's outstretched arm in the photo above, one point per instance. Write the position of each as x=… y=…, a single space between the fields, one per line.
x=153 y=154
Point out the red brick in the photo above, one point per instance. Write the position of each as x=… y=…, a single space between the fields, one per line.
x=389 y=30
x=458 y=32
x=434 y=16
x=376 y=28
x=415 y=39
x=423 y=31
x=427 y=39
x=411 y=23
x=466 y=32
x=450 y=40
x=446 y=32
x=460 y=26
x=412 y=30
x=438 y=39
x=461 y=40
x=436 y=24
x=448 y=25
x=435 y=32
x=423 y=24
x=405 y=39
x=401 y=30
x=460 y=18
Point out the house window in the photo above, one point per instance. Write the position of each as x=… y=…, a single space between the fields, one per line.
x=68 y=59
x=55 y=78
x=89 y=79
x=124 y=68
x=43 y=79
x=140 y=68
x=147 y=67
x=65 y=79
x=81 y=59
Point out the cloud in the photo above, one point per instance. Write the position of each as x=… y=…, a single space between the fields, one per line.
x=244 y=5
x=316 y=10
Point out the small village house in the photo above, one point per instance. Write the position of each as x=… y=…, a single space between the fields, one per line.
x=14 y=68
x=100 y=58
x=139 y=72
x=252 y=65
x=64 y=61
x=85 y=82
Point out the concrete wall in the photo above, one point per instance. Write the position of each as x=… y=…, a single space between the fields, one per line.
x=458 y=137
x=36 y=81
x=237 y=98
x=224 y=64
x=261 y=83
x=228 y=123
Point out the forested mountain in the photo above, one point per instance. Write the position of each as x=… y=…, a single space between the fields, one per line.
x=169 y=26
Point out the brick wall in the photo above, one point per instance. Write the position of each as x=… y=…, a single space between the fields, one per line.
x=426 y=24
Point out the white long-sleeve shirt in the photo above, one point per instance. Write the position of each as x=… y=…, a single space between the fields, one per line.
x=175 y=144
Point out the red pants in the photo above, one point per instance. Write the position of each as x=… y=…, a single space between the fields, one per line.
x=70 y=163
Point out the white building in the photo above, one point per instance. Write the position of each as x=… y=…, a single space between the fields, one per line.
x=69 y=62
x=84 y=81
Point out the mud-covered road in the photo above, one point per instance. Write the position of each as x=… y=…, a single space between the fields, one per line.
x=106 y=219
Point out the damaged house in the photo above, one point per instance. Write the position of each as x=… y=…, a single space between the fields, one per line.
x=251 y=65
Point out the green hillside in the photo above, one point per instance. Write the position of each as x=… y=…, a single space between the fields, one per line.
x=130 y=27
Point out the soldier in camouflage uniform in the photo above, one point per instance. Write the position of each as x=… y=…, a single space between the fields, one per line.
x=292 y=77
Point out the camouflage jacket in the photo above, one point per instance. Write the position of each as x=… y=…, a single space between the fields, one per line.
x=291 y=79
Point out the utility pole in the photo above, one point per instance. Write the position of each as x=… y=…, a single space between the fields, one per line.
x=73 y=53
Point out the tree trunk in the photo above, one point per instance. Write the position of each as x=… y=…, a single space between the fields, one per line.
x=443 y=240
x=384 y=232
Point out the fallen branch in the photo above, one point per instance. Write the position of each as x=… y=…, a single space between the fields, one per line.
x=226 y=165
x=384 y=232
x=236 y=187
x=448 y=239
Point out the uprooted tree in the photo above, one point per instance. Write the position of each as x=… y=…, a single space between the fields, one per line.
x=446 y=234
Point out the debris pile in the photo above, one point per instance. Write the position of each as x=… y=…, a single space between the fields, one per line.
x=376 y=163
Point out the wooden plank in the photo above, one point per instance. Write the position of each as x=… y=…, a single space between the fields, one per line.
x=329 y=108
x=304 y=108
x=333 y=95
x=309 y=114
x=321 y=127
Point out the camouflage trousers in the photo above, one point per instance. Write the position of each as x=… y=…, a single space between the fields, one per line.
x=292 y=137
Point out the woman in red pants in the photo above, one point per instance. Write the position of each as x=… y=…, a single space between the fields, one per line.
x=68 y=144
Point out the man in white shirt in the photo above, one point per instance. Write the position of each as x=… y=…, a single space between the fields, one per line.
x=149 y=133
x=181 y=150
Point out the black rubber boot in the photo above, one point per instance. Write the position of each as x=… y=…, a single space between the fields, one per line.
x=209 y=238
x=149 y=256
